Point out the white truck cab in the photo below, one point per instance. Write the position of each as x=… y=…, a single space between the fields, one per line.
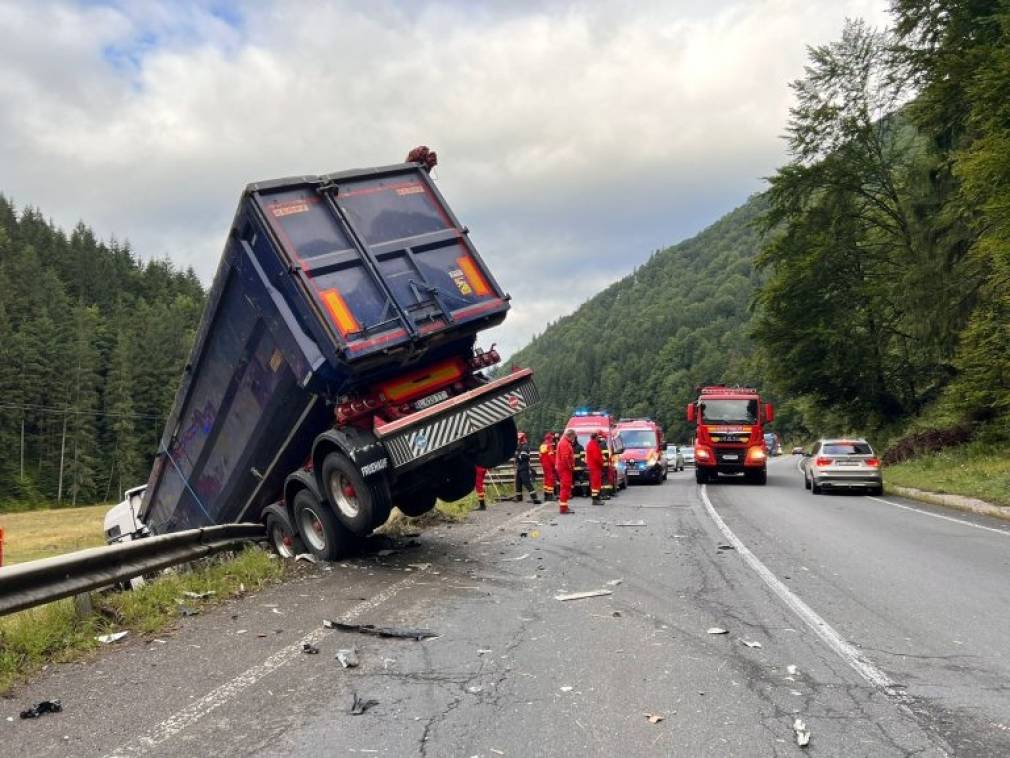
x=121 y=522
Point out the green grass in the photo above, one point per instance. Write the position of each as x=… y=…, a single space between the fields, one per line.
x=977 y=470
x=55 y=633
x=30 y=535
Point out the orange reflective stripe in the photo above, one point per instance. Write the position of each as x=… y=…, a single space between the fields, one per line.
x=473 y=275
x=339 y=312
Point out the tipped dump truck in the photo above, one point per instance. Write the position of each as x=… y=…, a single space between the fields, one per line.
x=335 y=372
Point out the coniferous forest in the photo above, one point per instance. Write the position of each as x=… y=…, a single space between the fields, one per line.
x=92 y=345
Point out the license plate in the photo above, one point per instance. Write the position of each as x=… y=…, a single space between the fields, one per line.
x=430 y=400
x=632 y=472
x=730 y=457
x=846 y=463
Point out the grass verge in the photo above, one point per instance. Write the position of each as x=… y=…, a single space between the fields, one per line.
x=975 y=470
x=29 y=535
x=55 y=633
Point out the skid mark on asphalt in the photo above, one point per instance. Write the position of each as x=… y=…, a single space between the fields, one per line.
x=228 y=691
x=962 y=522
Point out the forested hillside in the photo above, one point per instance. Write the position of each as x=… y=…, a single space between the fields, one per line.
x=92 y=345
x=642 y=345
x=873 y=294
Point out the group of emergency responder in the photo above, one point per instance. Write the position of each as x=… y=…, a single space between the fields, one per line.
x=557 y=459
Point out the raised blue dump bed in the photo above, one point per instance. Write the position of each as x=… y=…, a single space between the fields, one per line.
x=326 y=284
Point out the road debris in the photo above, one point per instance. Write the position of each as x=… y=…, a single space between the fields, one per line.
x=419 y=566
x=307 y=557
x=802 y=733
x=46 y=706
x=792 y=670
x=309 y=649
x=522 y=557
x=199 y=595
x=630 y=523
x=725 y=547
x=616 y=614
x=654 y=718
x=717 y=630
x=107 y=639
x=583 y=595
x=348 y=657
x=475 y=690
x=278 y=611
x=750 y=643
x=185 y=610
x=359 y=706
x=567 y=689
x=381 y=631
x=485 y=651
x=614 y=582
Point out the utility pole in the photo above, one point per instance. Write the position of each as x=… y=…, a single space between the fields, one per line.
x=63 y=449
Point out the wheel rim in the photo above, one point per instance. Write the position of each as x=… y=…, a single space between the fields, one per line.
x=344 y=495
x=283 y=543
x=312 y=529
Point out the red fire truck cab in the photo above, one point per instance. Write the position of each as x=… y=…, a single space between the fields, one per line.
x=729 y=436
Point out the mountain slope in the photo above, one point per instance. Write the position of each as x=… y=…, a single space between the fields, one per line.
x=640 y=346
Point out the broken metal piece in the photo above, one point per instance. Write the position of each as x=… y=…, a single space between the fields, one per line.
x=46 y=706
x=309 y=649
x=582 y=595
x=381 y=631
x=348 y=657
x=359 y=706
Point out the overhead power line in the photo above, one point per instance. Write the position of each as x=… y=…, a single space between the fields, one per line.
x=72 y=412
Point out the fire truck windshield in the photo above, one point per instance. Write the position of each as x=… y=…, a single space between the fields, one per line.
x=729 y=411
x=638 y=439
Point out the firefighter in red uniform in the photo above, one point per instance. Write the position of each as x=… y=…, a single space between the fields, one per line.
x=564 y=461
x=594 y=464
x=478 y=486
x=547 y=464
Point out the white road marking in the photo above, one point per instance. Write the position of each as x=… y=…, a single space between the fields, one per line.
x=962 y=522
x=820 y=627
x=219 y=696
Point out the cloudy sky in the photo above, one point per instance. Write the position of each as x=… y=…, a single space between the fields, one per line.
x=575 y=138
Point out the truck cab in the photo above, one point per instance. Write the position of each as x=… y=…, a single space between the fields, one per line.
x=644 y=454
x=729 y=436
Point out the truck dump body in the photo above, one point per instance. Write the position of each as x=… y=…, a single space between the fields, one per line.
x=326 y=283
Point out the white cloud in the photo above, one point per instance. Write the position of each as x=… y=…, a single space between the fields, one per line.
x=575 y=139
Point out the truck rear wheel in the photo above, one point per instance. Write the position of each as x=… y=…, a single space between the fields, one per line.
x=494 y=445
x=324 y=536
x=416 y=503
x=282 y=533
x=456 y=481
x=359 y=505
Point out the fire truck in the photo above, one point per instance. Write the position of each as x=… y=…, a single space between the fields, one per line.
x=729 y=433
x=585 y=422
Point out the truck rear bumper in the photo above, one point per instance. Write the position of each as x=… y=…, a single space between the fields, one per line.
x=425 y=434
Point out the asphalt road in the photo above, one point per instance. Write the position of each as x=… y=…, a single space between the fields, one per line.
x=883 y=628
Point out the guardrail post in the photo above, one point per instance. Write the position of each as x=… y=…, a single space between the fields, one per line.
x=82 y=604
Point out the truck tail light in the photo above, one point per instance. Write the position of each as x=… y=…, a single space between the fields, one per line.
x=821 y=461
x=872 y=462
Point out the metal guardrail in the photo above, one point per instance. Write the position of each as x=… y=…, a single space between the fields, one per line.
x=25 y=585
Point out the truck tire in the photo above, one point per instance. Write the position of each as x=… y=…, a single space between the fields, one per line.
x=416 y=503
x=324 y=536
x=495 y=445
x=360 y=505
x=456 y=480
x=283 y=535
x=761 y=477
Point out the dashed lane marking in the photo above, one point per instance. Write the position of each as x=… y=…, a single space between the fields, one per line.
x=228 y=691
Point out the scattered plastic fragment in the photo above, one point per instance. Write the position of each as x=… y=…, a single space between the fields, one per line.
x=185 y=610
x=475 y=690
x=199 y=595
x=359 y=706
x=348 y=657
x=309 y=649
x=582 y=595
x=567 y=689
x=802 y=733
x=106 y=639
x=717 y=630
x=381 y=631
x=793 y=671
x=46 y=706
x=614 y=582
x=308 y=557
x=240 y=631
x=520 y=558
x=630 y=523
x=654 y=718
x=750 y=643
